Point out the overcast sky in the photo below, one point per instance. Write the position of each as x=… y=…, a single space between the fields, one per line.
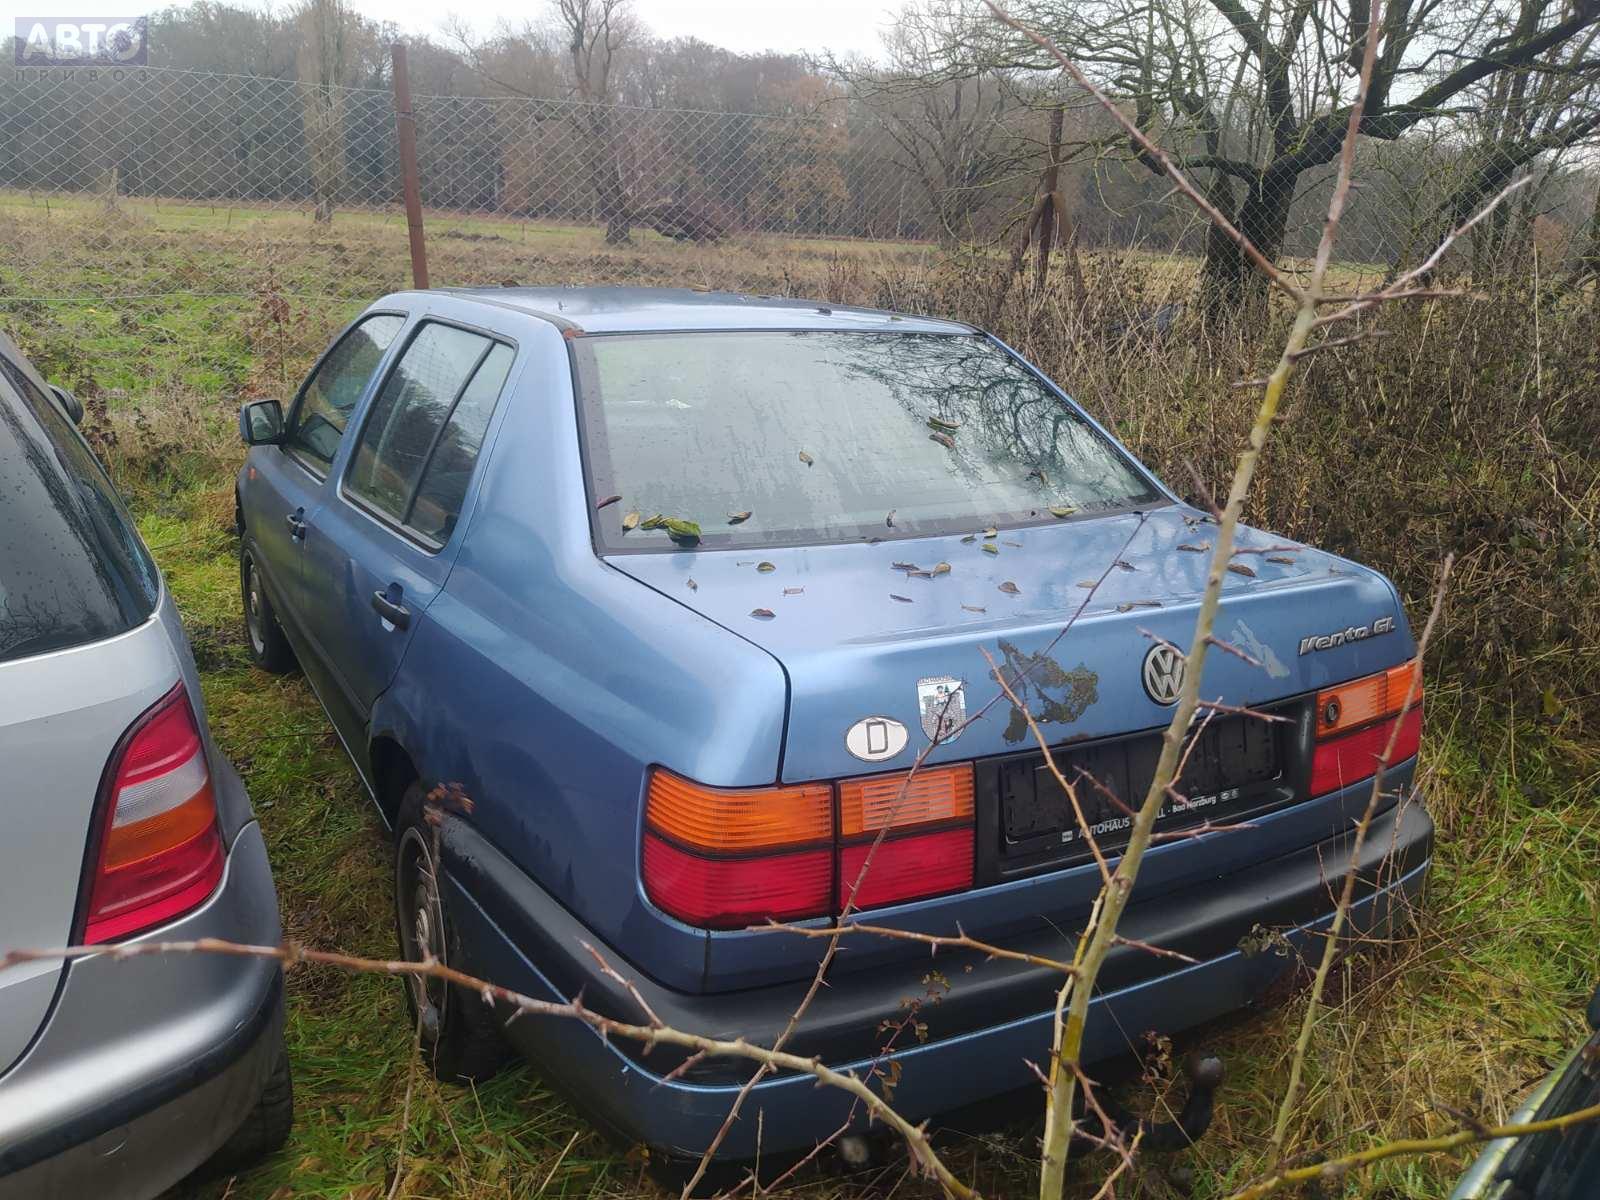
x=839 y=25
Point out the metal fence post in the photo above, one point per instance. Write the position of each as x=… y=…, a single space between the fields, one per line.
x=405 y=124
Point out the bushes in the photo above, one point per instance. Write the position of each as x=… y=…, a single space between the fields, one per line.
x=1472 y=425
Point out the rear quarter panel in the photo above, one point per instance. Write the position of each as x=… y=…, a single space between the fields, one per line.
x=546 y=683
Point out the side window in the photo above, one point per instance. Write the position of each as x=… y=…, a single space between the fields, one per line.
x=444 y=483
x=320 y=415
x=425 y=427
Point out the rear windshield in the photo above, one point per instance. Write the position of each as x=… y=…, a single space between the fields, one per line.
x=72 y=569
x=832 y=437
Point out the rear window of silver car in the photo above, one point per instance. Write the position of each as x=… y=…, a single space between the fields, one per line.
x=72 y=569
x=831 y=437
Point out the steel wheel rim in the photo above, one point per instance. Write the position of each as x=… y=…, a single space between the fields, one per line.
x=252 y=608
x=421 y=924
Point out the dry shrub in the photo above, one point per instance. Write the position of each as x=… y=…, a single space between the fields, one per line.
x=1470 y=426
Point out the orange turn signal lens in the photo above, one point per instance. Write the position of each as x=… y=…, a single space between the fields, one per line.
x=732 y=820
x=1362 y=701
x=868 y=805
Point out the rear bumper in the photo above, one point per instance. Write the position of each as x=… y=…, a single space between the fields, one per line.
x=147 y=1065
x=985 y=1021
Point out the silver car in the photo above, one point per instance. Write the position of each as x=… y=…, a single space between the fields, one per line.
x=119 y=821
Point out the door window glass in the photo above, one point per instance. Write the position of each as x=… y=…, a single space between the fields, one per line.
x=323 y=409
x=444 y=484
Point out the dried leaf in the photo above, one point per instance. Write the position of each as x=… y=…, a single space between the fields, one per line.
x=941 y=423
x=1124 y=565
x=944 y=439
x=762 y=614
x=1130 y=605
x=630 y=520
x=1062 y=511
x=902 y=566
x=793 y=591
x=1009 y=542
x=1088 y=584
x=902 y=599
x=766 y=568
x=806 y=458
x=1241 y=569
x=1010 y=588
x=1193 y=549
x=889 y=520
x=609 y=500
x=692 y=585
x=991 y=532
x=739 y=518
x=969 y=539
x=1281 y=558
x=919 y=574
x=973 y=608
x=990 y=548
x=942 y=568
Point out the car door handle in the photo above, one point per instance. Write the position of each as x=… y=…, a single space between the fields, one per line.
x=397 y=615
x=297 y=524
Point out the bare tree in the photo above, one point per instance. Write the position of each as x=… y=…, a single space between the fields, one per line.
x=323 y=69
x=1247 y=99
x=951 y=128
x=596 y=31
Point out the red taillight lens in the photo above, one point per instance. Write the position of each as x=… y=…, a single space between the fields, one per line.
x=730 y=893
x=908 y=868
x=160 y=851
x=1354 y=757
x=1355 y=721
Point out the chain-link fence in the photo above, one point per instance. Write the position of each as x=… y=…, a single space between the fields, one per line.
x=121 y=184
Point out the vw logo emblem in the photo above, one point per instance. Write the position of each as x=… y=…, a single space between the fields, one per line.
x=1163 y=674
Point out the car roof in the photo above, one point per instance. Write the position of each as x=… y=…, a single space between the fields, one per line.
x=647 y=309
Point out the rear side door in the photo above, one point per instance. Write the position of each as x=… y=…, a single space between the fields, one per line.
x=81 y=656
x=284 y=483
x=381 y=543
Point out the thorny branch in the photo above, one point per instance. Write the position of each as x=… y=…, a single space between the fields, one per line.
x=1330 y=947
x=291 y=953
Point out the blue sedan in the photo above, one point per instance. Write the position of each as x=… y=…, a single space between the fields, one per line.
x=678 y=586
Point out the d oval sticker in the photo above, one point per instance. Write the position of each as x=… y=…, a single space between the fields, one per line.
x=874 y=739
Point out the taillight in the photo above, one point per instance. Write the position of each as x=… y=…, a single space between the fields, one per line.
x=160 y=852
x=724 y=858
x=1355 y=721
x=928 y=847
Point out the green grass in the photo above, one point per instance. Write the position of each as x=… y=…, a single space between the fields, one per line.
x=1466 y=1013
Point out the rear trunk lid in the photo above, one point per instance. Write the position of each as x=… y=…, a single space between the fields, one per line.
x=861 y=635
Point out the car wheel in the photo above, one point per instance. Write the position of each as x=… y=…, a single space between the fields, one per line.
x=460 y=1039
x=267 y=1126
x=269 y=647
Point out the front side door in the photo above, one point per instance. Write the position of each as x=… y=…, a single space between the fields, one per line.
x=380 y=545
x=284 y=483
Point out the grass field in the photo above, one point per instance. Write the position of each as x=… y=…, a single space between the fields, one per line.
x=1464 y=1014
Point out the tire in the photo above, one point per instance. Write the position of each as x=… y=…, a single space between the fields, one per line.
x=460 y=1038
x=265 y=1129
x=269 y=647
